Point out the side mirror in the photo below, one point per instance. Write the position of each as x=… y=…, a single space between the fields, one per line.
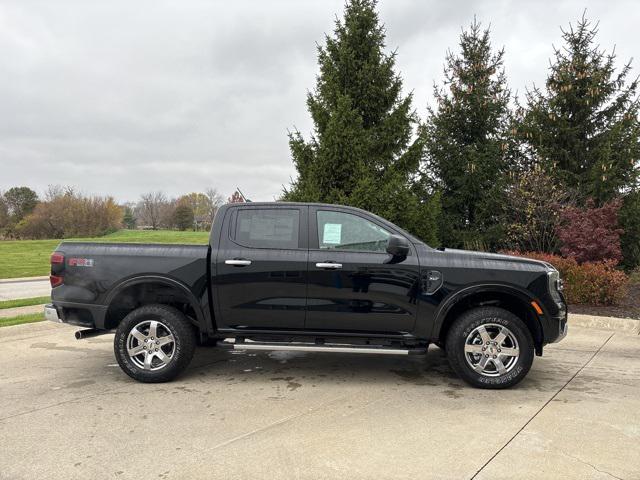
x=398 y=246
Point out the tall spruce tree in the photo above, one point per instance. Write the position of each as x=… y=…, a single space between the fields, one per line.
x=363 y=150
x=583 y=127
x=629 y=220
x=468 y=144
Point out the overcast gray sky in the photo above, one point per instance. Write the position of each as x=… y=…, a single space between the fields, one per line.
x=123 y=97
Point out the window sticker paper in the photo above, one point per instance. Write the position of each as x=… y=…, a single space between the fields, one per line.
x=332 y=233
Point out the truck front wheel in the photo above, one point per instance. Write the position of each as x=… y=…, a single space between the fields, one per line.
x=154 y=343
x=490 y=347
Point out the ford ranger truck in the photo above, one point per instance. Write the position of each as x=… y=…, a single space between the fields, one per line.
x=313 y=278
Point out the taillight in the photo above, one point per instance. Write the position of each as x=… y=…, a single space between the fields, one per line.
x=57 y=266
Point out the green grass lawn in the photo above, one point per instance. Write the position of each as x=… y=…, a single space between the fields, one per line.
x=24 y=302
x=19 y=320
x=30 y=258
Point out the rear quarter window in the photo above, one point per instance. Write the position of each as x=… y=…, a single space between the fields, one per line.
x=268 y=228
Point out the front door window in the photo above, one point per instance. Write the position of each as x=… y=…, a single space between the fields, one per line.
x=345 y=231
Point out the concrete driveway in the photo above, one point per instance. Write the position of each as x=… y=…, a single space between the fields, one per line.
x=67 y=411
x=14 y=288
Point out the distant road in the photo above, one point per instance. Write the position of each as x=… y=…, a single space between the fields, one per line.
x=14 y=288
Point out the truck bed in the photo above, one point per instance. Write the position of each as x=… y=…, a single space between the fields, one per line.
x=94 y=271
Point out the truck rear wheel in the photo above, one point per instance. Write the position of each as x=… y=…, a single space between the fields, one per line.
x=154 y=343
x=490 y=347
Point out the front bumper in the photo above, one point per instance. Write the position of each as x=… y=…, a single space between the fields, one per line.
x=561 y=320
x=564 y=328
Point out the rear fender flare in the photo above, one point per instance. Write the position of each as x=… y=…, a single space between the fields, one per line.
x=193 y=301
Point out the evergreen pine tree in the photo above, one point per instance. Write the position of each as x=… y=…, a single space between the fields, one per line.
x=629 y=220
x=362 y=151
x=129 y=219
x=583 y=127
x=183 y=217
x=469 y=147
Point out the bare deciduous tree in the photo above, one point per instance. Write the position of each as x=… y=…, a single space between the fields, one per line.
x=150 y=208
x=54 y=192
x=236 y=197
x=4 y=212
x=167 y=212
x=533 y=209
x=216 y=200
x=69 y=214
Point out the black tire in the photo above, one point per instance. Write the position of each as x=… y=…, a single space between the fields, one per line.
x=464 y=325
x=182 y=348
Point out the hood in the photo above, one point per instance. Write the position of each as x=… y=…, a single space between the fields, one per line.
x=495 y=257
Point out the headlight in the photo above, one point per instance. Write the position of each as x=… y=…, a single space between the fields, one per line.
x=555 y=285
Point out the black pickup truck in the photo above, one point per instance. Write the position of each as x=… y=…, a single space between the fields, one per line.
x=310 y=277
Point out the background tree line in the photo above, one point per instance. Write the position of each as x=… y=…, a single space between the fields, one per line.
x=63 y=212
x=554 y=172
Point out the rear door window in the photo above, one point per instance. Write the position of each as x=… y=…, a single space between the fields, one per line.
x=268 y=228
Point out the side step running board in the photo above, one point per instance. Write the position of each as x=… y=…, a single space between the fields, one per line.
x=326 y=348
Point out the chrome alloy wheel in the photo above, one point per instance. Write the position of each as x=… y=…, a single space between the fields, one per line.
x=491 y=350
x=151 y=345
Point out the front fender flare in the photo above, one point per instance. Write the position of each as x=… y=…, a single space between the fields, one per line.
x=454 y=298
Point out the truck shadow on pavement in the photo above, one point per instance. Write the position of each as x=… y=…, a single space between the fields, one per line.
x=315 y=370
x=430 y=369
x=296 y=370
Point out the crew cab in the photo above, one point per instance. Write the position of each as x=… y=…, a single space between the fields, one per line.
x=309 y=277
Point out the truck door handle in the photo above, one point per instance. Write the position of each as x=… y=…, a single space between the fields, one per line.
x=236 y=262
x=329 y=266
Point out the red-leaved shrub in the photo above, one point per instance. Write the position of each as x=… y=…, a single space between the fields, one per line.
x=591 y=234
x=591 y=283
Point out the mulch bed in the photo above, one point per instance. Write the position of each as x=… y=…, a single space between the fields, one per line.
x=629 y=307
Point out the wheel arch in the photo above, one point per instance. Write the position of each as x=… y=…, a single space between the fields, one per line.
x=510 y=298
x=143 y=290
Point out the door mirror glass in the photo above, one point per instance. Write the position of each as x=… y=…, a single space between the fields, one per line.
x=398 y=246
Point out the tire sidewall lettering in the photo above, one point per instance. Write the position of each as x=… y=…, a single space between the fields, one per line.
x=471 y=320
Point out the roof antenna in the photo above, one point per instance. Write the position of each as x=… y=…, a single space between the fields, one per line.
x=243 y=197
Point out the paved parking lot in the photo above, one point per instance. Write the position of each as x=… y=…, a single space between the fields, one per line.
x=67 y=411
